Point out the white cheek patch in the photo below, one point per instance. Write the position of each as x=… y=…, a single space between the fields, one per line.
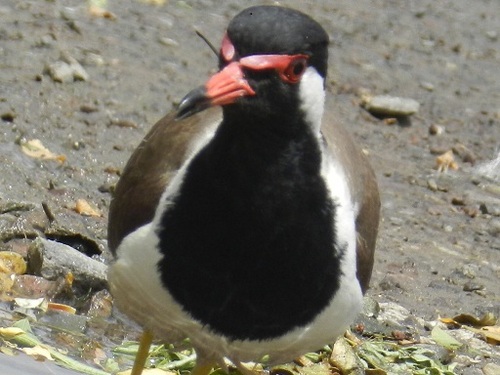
x=312 y=97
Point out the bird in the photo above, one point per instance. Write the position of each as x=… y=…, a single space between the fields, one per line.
x=246 y=219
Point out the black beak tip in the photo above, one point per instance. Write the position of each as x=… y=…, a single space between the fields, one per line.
x=194 y=102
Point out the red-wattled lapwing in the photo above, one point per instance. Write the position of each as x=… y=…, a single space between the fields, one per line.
x=250 y=230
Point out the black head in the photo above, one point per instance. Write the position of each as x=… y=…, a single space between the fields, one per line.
x=264 y=55
x=263 y=30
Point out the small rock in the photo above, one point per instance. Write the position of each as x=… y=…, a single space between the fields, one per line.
x=52 y=260
x=438 y=150
x=88 y=108
x=458 y=201
x=93 y=59
x=483 y=209
x=79 y=74
x=168 y=42
x=101 y=304
x=393 y=313
x=494 y=227
x=491 y=169
x=471 y=211
x=432 y=185
x=8 y=116
x=59 y=71
x=492 y=34
x=67 y=69
x=46 y=40
x=122 y=123
x=371 y=307
x=66 y=322
x=491 y=369
x=436 y=129
x=471 y=287
x=107 y=187
x=427 y=86
x=31 y=286
x=469 y=270
x=464 y=153
x=493 y=189
x=69 y=14
x=390 y=105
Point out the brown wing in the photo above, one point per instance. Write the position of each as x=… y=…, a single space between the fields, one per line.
x=364 y=190
x=155 y=161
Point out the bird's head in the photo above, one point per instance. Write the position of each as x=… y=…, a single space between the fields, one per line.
x=271 y=59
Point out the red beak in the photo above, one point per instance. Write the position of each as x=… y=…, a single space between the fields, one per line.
x=222 y=88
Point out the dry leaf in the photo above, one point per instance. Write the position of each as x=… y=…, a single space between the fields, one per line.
x=29 y=303
x=154 y=2
x=97 y=8
x=491 y=334
x=35 y=149
x=487 y=319
x=12 y=263
x=84 y=208
x=6 y=284
x=61 y=307
x=446 y=161
x=343 y=357
x=8 y=333
x=148 y=371
x=38 y=352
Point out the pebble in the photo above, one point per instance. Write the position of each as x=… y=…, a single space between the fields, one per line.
x=169 y=42
x=436 y=129
x=392 y=312
x=432 y=185
x=458 y=201
x=494 y=227
x=51 y=260
x=390 y=105
x=491 y=169
x=464 y=153
x=427 y=86
x=79 y=73
x=66 y=322
x=46 y=40
x=31 y=286
x=66 y=69
x=93 y=59
x=448 y=228
x=59 y=71
x=491 y=369
x=100 y=304
x=8 y=116
x=107 y=187
x=471 y=287
x=492 y=34
x=469 y=270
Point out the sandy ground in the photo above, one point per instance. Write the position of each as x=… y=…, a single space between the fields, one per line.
x=439 y=245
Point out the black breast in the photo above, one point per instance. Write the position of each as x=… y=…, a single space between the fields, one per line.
x=248 y=243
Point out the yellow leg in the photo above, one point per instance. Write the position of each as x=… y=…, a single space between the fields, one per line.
x=142 y=353
x=203 y=368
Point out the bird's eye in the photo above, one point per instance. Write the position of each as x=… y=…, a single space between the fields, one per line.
x=293 y=72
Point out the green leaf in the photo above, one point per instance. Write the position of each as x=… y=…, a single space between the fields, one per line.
x=444 y=339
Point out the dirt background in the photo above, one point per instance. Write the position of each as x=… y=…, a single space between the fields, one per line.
x=439 y=245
